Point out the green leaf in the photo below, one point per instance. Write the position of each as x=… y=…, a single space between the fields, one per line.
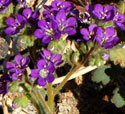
x=117 y=55
x=117 y=99
x=22 y=101
x=29 y=40
x=109 y=24
x=13 y=86
x=100 y=75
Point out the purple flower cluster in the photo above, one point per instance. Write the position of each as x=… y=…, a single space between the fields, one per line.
x=4 y=4
x=17 y=68
x=107 y=13
x=16 y=25
x=106 y=38
x=57 y=21
x=46 y=67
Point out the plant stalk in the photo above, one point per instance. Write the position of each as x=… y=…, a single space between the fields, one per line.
x=50 y=97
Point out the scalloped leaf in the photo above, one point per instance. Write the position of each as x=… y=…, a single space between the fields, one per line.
x=22 y=101
x=118 y=56
x=117 y=99
x=100 y=75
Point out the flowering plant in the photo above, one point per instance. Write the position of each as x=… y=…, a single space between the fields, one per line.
x=46 y=37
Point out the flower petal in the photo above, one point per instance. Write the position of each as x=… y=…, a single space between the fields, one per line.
x=70 y=30
x=41 y=63
x=61 y=16
x=41 y=81
x=46 y=53
x=71 y=21
x=50 y=68
x=10 y=31
x=10 y=21
x=10 y=65
x=109 y=32
x=50 y=78
x=35 y=73
x=46 y=39
x=42 y=24
x=39 y=33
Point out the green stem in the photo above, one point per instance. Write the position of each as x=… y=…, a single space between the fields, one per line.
x=35 y=102
x=50 y=96
x=43 y=101
x=74 y=69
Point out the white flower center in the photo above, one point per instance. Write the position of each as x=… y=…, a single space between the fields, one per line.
x=44 y=73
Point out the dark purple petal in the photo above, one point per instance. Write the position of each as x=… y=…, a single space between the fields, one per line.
x=41 y=63
x=71 y=21
x=70 y=30
x=18 y=59
x=39 y=33
x=41 y=81
x=51 y=68
x=35 y=73
x=57 y=35
x=25 y=61
x=20 y=19
x=10 y=65
x=50 y=78
x=46 y=39
x=10 y=31
x=57 y=59
x=36 y=14
x=42 y=24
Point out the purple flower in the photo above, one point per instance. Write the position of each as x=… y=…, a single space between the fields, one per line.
x=28 y=14
x=55 y=59
x=4 y=81
x=4 y=4
x=119 y=20
x=106 y=56
x=66 y=25
x=102 y=13
x=15 y=25
x=44 y=72
x=106 y=38
x=15 y=69
x=61 y=5
x=47 y=31
x=89 y=34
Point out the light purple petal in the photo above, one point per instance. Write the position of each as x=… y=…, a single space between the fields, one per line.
x=18 y=59
x=25 y=61
x=27 y=12
x=46 y=39
x=109 y=32
x=61 y=16
x=71 y=21
x=14 y=76
x=46 y=53
x=98 y=8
